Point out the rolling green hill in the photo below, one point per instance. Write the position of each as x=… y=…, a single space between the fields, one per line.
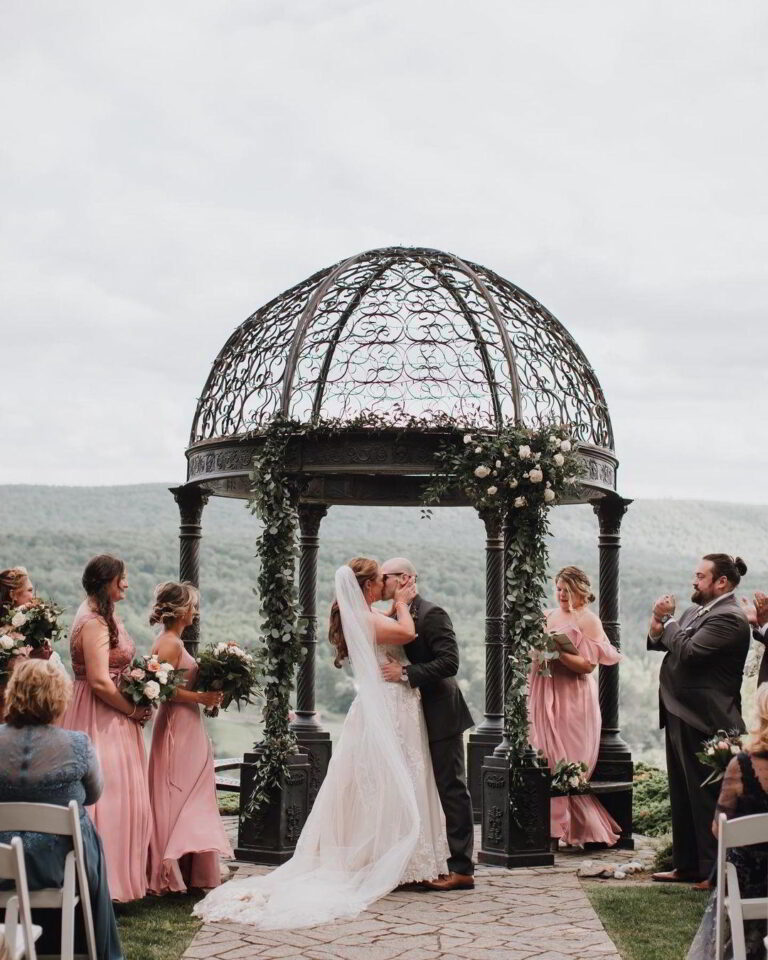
x=54 y=530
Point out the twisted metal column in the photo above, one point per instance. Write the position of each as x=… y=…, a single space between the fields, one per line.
x=610 y=511
x=313 y=739
x=191 y=500
x=488 y=733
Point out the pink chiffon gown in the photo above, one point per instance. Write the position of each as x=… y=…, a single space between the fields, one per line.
x=121 y=815
x=564 y=714
x=188 y=836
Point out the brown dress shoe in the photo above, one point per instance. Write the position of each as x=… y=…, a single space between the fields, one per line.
x=454 y=881
x=704 y=885
x=673 y=876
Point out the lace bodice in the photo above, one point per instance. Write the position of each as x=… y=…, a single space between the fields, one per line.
x=119 y=656
x=395 y=651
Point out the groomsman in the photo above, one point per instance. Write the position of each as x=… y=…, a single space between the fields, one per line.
x=757 y=615
x=699 y=694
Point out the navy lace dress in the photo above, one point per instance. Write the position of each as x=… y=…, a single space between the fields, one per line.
x=744 y=792
x=45 y=764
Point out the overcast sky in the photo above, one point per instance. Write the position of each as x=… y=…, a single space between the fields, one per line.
x=168 y=167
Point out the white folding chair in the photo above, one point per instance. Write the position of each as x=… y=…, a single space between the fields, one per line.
x=19 y=939
x=64 y=821
x=739 y=832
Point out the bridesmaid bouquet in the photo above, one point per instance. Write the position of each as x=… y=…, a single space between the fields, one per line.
x=37 y=622
x=717 y=752
x=569 y=778
x=554 y=645
x=11 y=645
x=150 y=681
x=229 y=668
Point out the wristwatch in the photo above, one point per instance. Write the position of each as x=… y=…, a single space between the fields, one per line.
x=666 y=618
x=404 y=675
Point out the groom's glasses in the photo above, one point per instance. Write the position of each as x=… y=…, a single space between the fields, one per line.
x=385 y=575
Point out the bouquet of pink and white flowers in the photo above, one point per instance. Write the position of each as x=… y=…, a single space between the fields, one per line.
x=717 y=752
x=230 y=669
x=37 y=622
x=570 y=777
x=12 y=645
x=150 y=681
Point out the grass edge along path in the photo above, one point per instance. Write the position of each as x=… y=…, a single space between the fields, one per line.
x=648 y=923
x=157 y=928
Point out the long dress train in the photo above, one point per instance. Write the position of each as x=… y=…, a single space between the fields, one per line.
x=564 y=713
x=377 y=819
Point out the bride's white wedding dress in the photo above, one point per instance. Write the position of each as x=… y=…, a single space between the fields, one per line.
x=377 y=821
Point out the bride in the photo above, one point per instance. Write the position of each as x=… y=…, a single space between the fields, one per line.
x=377 y=821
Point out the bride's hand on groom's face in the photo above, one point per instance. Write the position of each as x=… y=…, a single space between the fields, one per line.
x=405 y=592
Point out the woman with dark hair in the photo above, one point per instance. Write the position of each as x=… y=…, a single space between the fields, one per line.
x=188 y=837
x=564 y=709
x=101 y=649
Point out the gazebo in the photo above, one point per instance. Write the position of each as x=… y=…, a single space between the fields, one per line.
x=405 y=332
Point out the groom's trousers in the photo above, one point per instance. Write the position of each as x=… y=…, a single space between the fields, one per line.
x=450 y=776
x=693 y=806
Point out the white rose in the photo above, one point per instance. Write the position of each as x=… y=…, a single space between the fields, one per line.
x=468 y=438
x=520 y=502
x=549 y=495
x=478 y=449
x=735 y=749
x=524 y=452
x=482 y=472
x=493 y=490
x=536 y=455
x=553 y=441
x=152 y=690
x=710 y=751
x=161 y=677
x=512 y=483
x=536 y=475
x=565 y=445
x=559 y=459
x=19 y=620
x=498 y=464
x=7 y=643
x=573 y=782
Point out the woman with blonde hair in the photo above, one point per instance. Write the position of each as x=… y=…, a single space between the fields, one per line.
x=564 y=709
x=744 y=791
x=42 y=763
x=187 y=834
x=377 y=820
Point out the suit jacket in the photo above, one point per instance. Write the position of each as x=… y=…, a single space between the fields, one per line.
x=700 y=678
x=434 y=656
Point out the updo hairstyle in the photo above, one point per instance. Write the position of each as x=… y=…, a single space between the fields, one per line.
x=577 y=585
x=364 y=570
x=173 y=601
x=97 y=576
x=732 y=568
x=11 y=580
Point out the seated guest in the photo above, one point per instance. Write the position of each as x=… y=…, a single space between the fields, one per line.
x=744 y=791
x=41 y=763
x=564 y=709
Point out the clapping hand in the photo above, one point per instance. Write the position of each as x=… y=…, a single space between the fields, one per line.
x=761 y=608
x=663 y=606
x=750 y=611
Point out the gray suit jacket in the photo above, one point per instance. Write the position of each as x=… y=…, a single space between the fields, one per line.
x=700 y=678
x=434 y=656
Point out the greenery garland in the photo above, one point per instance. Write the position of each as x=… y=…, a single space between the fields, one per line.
x=517 y=471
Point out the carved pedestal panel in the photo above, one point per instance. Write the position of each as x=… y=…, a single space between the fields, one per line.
x=270 y=836
x=515 y=814
x=317 y=746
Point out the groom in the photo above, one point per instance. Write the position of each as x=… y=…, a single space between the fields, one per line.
x=434 y=660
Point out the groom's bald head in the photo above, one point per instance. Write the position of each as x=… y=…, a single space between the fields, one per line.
x=395 y=572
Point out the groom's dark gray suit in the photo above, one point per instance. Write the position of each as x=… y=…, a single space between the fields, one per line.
x=699 y=694
x=434 y=661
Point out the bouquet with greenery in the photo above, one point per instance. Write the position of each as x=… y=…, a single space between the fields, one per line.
x=554 y=644
x=11 y=645
x=570 y=777
x=150 y=681
x=230 y=669
x=717 y=752
x=37 y=622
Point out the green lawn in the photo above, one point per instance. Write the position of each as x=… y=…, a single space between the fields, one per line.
x=157 y=928
x=649 y=923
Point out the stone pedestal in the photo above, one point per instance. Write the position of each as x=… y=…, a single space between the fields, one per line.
x=515 y=813
x=270 y=836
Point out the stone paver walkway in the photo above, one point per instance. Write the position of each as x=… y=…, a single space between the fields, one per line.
x=526 y=914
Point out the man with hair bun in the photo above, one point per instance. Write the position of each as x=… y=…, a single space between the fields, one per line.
x=699 y=694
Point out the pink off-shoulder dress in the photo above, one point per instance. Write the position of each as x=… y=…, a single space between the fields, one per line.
x=564 y=713
x=121 y=815
x=187 y=834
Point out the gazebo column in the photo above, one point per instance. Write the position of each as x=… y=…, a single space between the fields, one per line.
x=315 y=741
x=614 y=762
x=191 y=499
x=488 y=734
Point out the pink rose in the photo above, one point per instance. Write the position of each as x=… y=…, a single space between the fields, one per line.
x=137 y=673
x=722 y=745
x=153 y=666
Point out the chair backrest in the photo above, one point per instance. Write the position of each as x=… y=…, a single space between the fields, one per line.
x=745 y=831
x=12 y=868
x=40 y=817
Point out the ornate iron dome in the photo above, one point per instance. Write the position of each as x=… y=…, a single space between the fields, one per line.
x=407 y=331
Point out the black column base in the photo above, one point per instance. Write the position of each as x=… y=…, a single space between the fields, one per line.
x=480 y=744
x=616 y=771
x=515 y=807
x=316 y=744
x=270 y=836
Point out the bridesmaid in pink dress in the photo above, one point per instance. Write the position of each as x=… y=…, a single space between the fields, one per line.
x=188 y=836
x=564 y=710
x=101 y=649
